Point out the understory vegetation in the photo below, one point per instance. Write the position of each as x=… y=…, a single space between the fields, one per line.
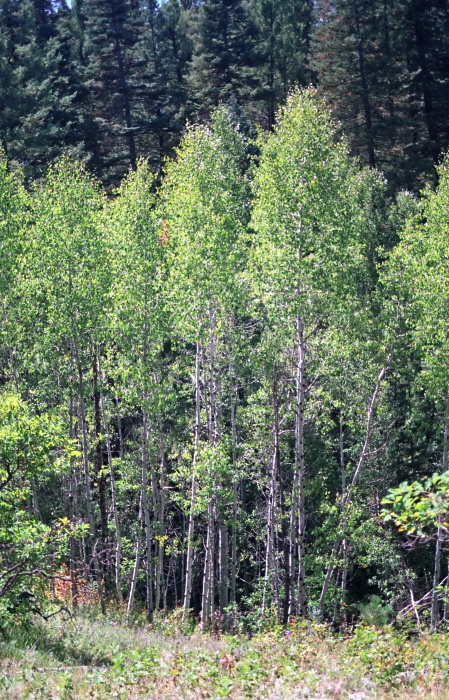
x=89 y=657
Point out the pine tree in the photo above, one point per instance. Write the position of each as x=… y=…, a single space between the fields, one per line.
x=56 y=122
x=224 y=55
x=426 y=29
x=41 y=89
x=283 y=28
x=345 y=58
x=382 y=66
x=112 y=72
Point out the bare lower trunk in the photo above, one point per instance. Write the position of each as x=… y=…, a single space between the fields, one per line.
x=146 y=515
x=208 y=574
x=344 y=547
x=346 y=498
x=100 y=474
x=132 y=589
x=234 y=510
x=235 y=505
x=161 y=521
x=73 y=505
x=118 y=540
x=297 y=514
x=223 y=564
x=269 y=550
x=435 y=616
x=191 y=526
x=88 y=492
x=206 y=602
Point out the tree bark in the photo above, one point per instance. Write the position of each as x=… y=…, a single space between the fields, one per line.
x=435 y=614
x=146 y=515
x=269 y=549
x=99 y=472
x=118 y=539
x=88 y=492
x=346 y=499
x=297 y=514
x=191 y=526
x=132 y=589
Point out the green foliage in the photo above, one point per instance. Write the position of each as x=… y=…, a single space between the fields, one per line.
x=160 y=323
x=206 y=207
x=418 y=508
x=31 y=451
x=375 y=612
x=121 y=661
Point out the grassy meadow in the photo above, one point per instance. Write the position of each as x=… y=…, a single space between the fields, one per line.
x=90 y=657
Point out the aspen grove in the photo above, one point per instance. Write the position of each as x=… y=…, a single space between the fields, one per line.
x=224 y=388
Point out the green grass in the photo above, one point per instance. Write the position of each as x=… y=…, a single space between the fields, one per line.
x=102 y=658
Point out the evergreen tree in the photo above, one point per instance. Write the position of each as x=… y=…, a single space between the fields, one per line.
x=56 y=122
x=113 y=67
x=383 y=67
x=283 y=29
x=224 y=55
x=42 y=92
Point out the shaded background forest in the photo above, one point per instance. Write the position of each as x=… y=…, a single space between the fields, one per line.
x=112 y=80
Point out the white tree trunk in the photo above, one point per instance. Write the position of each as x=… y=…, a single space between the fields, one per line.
x=297 y=513
x=118 y=540
x=435 y=614
x=346 y=499
x=191 y=526
x=146 y=515
x=88 y=492
x=269 y=548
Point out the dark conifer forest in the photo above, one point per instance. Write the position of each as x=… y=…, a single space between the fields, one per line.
x=224 y=304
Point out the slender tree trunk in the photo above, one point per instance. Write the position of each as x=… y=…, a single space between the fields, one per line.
x=121 y=443
x=348 y=493
x=297 y=514
x=446 y=594
x=100 y=474
x=146 y=515
x=161 y=526
x=132 y=589
x=206 y=602
x=269 y=549
x=72 y=504
x=344 y=547
x=89 y=500
x=233 y=582
x=223 y=546
x=435 y=615
x=118 y=539
x=191 y=526
x=208 y=575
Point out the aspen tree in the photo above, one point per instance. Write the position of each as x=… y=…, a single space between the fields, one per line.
x=416 y=279
x=66 y=277
x=301 y=221
x=206 y=207
x=137 y=257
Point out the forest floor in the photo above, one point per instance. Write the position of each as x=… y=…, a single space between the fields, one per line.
x=92 y=658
